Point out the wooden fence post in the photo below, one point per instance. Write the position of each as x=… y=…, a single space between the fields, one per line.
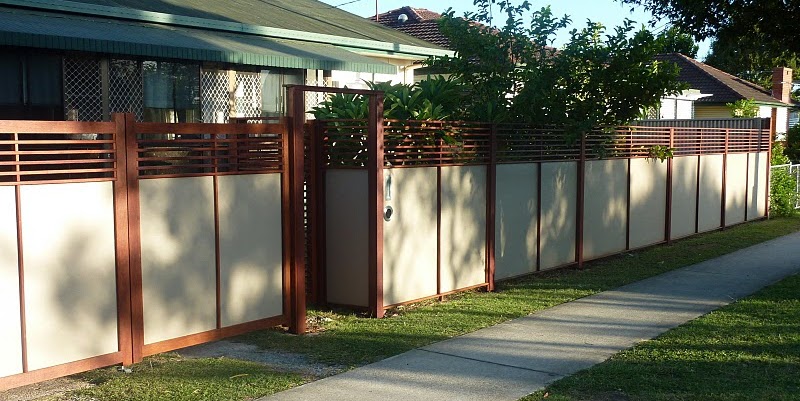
x=580 y=206
x=375 y=150
x=668 y=211
x=491 y=197
x=134 y=238
x=121 y=238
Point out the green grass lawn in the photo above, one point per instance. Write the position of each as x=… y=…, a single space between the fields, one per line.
x=749 y=350
x=348 y=340
x=169 y=377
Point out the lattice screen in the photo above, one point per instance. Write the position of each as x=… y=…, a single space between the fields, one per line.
x=313 y=99
x=653 y=113
x=214 y=92
x=83 y=90
x=126 y=88
x=247 y=94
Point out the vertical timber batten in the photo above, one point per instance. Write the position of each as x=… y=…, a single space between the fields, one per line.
x=375 y=149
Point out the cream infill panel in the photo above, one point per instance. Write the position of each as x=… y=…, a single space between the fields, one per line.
x=347 y=237
x=559 y=200
x=178 y=257
x=251 y=247
x=648 y=201
x=10 y=336
x=710 y=210
x=684 y=195
x=757 y=186
x=735 y=188
x=605 y=207
x=463 y=230
x=515 y=220
x=70 y=272
x=409 y=238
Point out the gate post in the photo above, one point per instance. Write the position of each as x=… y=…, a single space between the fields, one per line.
x=297 y=277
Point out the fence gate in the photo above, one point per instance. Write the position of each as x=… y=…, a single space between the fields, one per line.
x=120 y=240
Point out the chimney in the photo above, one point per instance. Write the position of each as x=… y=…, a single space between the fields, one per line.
x=782 y=84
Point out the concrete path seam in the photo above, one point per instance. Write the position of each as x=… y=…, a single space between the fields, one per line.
x=554 y=374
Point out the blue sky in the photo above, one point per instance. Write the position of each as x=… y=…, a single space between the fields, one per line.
x=610 y=13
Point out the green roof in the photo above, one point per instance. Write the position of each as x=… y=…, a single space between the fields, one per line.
x=71 y=32
x=307 y=15
x=306 y=20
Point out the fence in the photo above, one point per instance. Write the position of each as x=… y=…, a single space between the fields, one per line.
x=715 y=123
x=120 y=240
x=464 y=205
x=794 y=172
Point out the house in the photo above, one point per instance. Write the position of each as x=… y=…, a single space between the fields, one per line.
x=722 y=88
x=418 y=22
x=185 y=60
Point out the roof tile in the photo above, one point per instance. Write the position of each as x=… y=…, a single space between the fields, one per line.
x=723 y=87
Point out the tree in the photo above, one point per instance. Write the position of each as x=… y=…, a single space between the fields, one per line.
x=770 y=20
x=674 y=40
x=598 y=78
x=743 y=108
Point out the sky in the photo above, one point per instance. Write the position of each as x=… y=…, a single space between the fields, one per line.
x=610 y=13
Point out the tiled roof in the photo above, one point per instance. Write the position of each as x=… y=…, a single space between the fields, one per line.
x=421 y=23
x=723 y=87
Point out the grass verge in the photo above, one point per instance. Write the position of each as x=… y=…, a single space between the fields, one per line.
x=169 y=377
x=348 y=340
x=749 y=350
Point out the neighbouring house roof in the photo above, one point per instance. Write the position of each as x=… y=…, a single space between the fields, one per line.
x=302 y=28
x=421 y=23
x=723 y=87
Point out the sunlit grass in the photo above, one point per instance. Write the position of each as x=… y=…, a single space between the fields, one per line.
x=169 y=377
x=749 y=350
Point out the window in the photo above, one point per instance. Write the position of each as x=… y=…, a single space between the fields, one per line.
x=171 y=92
x=273 y=92
x=31 y=87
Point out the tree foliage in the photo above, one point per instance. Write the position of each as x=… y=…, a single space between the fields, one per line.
x=598 y=78
x=792 y=150
x=771 y=22
x=674 y=40
x=782 y=185
x=437 y=98
x=743 y=108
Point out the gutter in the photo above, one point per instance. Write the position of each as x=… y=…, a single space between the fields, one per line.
x=353 y=44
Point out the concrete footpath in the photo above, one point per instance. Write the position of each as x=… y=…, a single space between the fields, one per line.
x=516 y=358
